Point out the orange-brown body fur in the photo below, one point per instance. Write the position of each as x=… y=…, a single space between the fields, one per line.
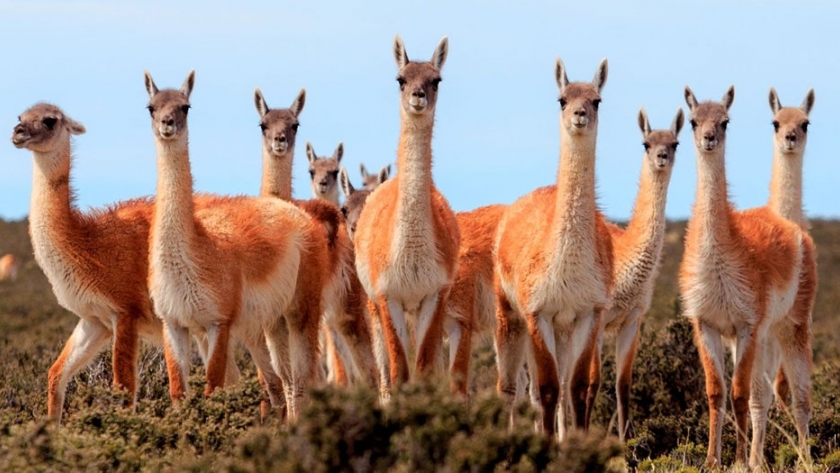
x=748 y=279
x=407 y=236
x=343 y=306
x=554 y=269
x=96 y=262
x=351 y=209
x=249 y=267
x=637 y=252
x=789 y=140
x=471 y=309
x=373 y=242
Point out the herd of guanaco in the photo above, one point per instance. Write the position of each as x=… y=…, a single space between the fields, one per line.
x=373 y=287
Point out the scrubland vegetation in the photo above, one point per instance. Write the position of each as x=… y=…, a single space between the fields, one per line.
x=424 y=428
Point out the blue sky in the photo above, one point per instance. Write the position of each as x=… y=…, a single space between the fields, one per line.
x=496 y=136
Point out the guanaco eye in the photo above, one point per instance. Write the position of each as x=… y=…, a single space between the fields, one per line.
x=776 y=125
x=436 y=82
x=596 y=103
x=724 y=124
x=151 y=110
x=311 y=174
x=185 y=109
x=674 y=146
x=49 y=122
x=344 y=211
x=334 y=174
x=647 y=146
x=693 y=124
x=263 y=127
x=805 y=126
x=401 y=81
x=562 y=103
x=295 y=127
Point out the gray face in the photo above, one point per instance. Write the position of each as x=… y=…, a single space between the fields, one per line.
x=169 y=109
x=323 y=171
x=419 y=87
x=324 y=174
x=708 y=122
x=660 y=149
x=371 y=181
x=791 y=129
x=279 y=130
x=43 y=128
x=352 y=209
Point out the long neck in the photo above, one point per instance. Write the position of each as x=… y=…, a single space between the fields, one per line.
x=51 y=212
x=711 y=209
x=414 y=160
x=786 y=186
x=575 y=206
x=647 y=226
x=277 y=175
x=174 y=202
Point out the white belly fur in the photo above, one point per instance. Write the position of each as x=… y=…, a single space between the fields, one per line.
x=80 y=299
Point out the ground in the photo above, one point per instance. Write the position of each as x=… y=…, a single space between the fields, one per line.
x=423 y=429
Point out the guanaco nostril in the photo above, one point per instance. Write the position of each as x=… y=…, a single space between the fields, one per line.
x=169 y=122
x=282 y=139
x=791 y=137
x=419 y=94
x=580 y=113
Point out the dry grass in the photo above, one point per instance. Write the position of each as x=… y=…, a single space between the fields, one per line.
x=423 y=429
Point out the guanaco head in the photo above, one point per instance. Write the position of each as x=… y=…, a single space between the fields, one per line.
x=419 y=80
x=323 y=172
x=709 y=120
x=791 y=123
x=372 y=181
x=44 y=128
x=579 y=101
x=354 y=201
x=660 y=145
x=169 y=108
x=279 y=126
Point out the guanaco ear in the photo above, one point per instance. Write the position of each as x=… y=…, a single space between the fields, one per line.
x=439 y=57
x=310 y=153
x=189 y=82
x=151 y=88
x=259 y=101
x=728 y=97
x=690 y=99
x=400 y=55
x=601 y=75
x=344 y=182
x=560 y=75
x=775 y=104
x=297 y=106
x=644 y=124
x=679 y=120
x=384 y=174
x=74 y=127
x=808 y=103
x=339 y=152
x=363 y=169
